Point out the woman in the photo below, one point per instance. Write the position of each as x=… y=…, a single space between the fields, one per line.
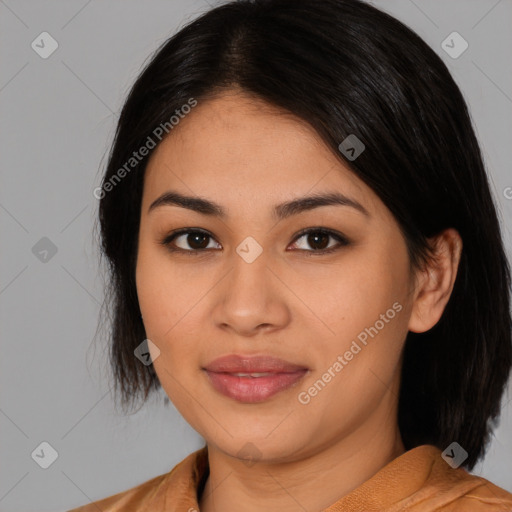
x=303 y=243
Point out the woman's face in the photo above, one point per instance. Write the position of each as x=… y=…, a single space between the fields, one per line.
x=329 y=326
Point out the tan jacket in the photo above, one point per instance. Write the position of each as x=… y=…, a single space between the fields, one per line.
x=419 y=480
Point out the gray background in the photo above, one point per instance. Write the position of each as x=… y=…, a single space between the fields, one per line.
x=57 y=121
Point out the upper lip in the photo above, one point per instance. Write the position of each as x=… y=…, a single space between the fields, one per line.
x=235 y=363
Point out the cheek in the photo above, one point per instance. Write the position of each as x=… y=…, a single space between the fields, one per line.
x=165 y=292
x=155 y=303
x=357 y=291
x=365 y=305
x=169 y=296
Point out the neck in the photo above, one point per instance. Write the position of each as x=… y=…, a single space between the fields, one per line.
x=313 y=482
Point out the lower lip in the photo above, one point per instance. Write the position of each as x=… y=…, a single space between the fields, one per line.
x=253 y=389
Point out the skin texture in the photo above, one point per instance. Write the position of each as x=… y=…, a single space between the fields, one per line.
x=291 y=302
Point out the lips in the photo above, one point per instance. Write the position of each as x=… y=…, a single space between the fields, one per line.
x=252 y=364
x=252 y=379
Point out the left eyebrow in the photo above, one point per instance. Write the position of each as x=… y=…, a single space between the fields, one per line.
x=302 y=204
x=280 y=211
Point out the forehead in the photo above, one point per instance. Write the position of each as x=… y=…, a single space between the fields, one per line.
x=238 y=144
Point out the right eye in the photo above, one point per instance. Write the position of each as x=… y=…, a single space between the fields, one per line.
x=195 y=239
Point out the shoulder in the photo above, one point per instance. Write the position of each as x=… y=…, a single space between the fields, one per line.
x=179 y=485
x=424 y=481
x=483 y=497
x=460 y=491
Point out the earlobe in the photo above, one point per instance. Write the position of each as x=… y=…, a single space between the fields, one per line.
x=435 y=282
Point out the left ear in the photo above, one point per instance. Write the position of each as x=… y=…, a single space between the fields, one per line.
x=435 y=282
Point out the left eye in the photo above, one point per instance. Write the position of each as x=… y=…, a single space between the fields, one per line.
x=319 y=240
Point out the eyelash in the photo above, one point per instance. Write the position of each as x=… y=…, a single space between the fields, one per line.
x=342 y=241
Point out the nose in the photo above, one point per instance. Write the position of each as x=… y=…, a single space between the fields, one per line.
x=252 y=298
